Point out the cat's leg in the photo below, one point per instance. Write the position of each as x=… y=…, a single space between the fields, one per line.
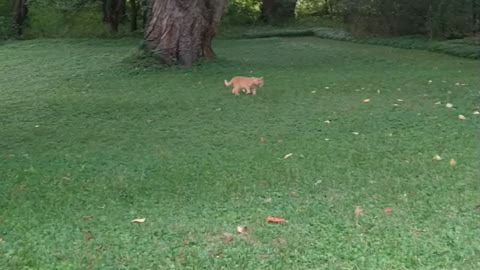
x=248 y=90
x=254 y=91
x=235 y=90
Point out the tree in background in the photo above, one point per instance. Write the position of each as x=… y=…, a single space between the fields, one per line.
x=277 y=11
x=20 y=15
x=181 y=31
x=114 y=11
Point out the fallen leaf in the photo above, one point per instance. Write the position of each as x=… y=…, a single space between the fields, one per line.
x=271 y=219
x=267 y=200
x=358 y=211
x=293 y=194
x=327 y=121
x=355 y=133
x=388 y=210
x=228 y=237
x=88 y=235
x=438 y=103
x=457 y=84
x=429 y=81
x=138 y=220
x=476 y=112
x=88 y=217
x=366 y=100
x=449 y=105
x=437 y=158
x=461 y=117
x=263 y=140
x=326 y=87
x=378 y=91
x=313 y=92
x=100 y=248
x=400 y=100
x=287 y=156
x=242 y=229
x=395 y=104
x=1 y=240
x=453 y=162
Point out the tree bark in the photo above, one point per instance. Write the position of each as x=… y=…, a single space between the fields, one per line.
x=277 y=11
x=181 y=31
x=134 y=15
x=20 y=15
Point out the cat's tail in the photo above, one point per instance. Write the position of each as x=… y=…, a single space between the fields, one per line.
x=227 y=83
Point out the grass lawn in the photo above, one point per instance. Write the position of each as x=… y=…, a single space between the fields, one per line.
x=85 y=133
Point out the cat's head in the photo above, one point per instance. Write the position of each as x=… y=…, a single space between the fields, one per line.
x=260 y=81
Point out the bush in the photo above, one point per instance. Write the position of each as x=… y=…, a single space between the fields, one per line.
x=6 y=22
x=50 y=20
x=242 y=12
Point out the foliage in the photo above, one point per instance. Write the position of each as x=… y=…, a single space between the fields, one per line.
x=242 y=12
x=6 y=19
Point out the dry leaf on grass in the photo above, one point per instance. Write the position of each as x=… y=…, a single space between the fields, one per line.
x=438 y=103
x=100 y=248
x=355 y=133
x=461 y=117
x=367 y=100
x=453 y=162
x=327 y=121
x=287 y=156
x=88 y=235
x=358 y=211
x=449 y=105
x=263 y=140
x=313 y=92
x=87 y=217
x=138 y=220
x=388 y=210
x=228 y=237
x=242 y=230
x=437 y=158
x=476 y=112
x=271 y=219
x=267 y=200
x=293 y=194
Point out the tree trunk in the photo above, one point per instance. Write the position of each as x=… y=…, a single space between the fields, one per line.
x=277 y=11
x=20 y=15
x=181 y=31
x=113 y=13
x=145 y=6
x=476 y=15
x=134 y=16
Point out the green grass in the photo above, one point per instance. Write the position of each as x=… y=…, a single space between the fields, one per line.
x=83 y=132
x=467 y=48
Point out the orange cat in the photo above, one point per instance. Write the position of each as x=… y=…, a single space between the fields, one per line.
x=247 y=83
